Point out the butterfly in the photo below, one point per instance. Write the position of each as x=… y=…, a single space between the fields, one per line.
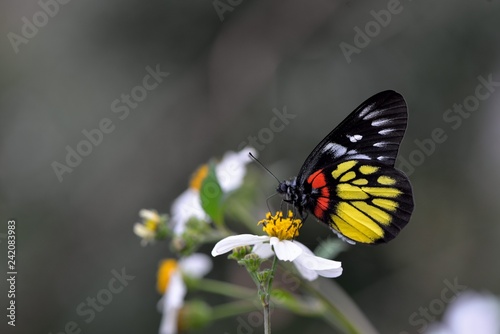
x=349 y=181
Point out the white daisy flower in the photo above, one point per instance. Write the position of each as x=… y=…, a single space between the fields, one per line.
x=230 y=172
x=470 y=313
x=231 y=169
x=185 y=207
x=148 y=228
x=279 y=241
x=171 y=284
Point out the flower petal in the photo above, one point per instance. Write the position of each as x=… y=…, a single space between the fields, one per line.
x=186 y=206
x=196 y=265
x=231 y=169
x=176 y=291
x=310 y=265
x=172 y=301
x=304 y=248
x=308 y=274
x=144 y=233
x=323 y=267
x=141 y=231
x=472 y=312
x=285 y=250
x=149 y=215
x=168 y=323
x=264 y=251
x=229 y=243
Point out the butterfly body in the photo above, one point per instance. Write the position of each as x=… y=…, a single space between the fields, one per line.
x=349 y=181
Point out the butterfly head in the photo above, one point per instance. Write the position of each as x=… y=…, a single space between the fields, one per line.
x=292 y=193
x=287 y=189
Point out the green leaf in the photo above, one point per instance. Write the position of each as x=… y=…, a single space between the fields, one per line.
x=211 y=196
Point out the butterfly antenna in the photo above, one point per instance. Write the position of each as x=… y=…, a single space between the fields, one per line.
x=267 y=201
x=262 y=165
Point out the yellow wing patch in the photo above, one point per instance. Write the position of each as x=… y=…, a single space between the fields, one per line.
x=354 y=224
x=367 y=170
x=386 y=180
x=367 y=201
x=348 y=176
x=348 y=191
x=343 y=167
x=360 y=182
x=349 y=231
x=387 y=204
x=352 y=190
x=380 y=216
x=382 y=191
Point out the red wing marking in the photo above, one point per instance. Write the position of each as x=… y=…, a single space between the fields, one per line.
x=317 y=180
x=321 y=206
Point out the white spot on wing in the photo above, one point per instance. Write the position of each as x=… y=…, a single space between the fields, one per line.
x=382 y=158
x=380 y=122
x=360 y=156
x=373 y=114
x=385 y=131
x=381 y=144
x=335 y=149
x=363 y=112
x=354 y=138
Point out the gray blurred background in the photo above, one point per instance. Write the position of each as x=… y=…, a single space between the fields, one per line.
x=228 y=70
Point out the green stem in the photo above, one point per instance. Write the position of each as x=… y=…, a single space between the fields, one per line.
x=273 y=270
x=232 y=309
x=267 y=319
x=225 y=289
x=267 y=297
x=255 y=278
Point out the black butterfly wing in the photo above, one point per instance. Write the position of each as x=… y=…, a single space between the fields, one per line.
x=373 y=131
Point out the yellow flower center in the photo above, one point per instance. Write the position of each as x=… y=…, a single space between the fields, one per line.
x=150 y=219
x=280 y=227
x=198 y=176
x=151 y=225
x=165 y=271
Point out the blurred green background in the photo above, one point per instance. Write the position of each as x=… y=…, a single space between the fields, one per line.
x=228 y=70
